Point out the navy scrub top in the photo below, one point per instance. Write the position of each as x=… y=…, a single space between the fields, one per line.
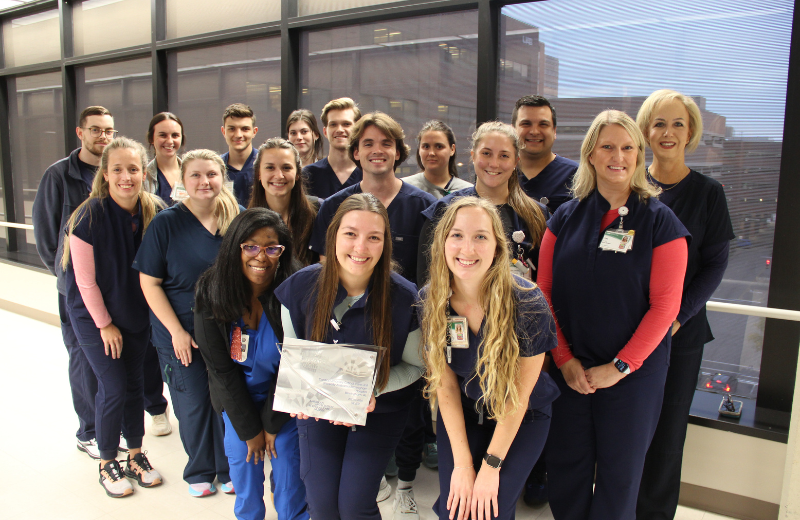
x=115 y=236
x=242 y=179
x=537 y=334
x=553 y=182
x=322 y=181
x=600 y=297
x=299 y=293
x=164 y=189
x=405 y=221
x=177 y=249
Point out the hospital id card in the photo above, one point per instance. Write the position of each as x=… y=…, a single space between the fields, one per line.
x=617 y=240
x=457 y=332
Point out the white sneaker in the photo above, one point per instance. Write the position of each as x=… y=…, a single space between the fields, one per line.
x=123 y=445
x=405 y=507
x=90 y=448
x=385 y=490
x=161 y=425
x=113 y=480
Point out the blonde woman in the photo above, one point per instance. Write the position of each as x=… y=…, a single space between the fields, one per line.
x=182 y=242
x=485 y=333
x=107 y=308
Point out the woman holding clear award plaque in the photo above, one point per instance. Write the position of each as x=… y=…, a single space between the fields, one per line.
x=355 y=297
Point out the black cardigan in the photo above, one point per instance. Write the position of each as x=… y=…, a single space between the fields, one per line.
x=226 y=381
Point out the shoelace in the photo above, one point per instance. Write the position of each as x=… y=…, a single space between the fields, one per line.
x=142 y=462
x=407 y=502
x=115 y=471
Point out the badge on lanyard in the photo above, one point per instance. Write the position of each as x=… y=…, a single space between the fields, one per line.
x=240 y=344
x=456 y=334
x=519 y=265
x=179 y=192
x=618 y=240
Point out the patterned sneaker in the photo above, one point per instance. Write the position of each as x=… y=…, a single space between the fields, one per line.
x=227 y=488
x=385 y=490
x=113 y=481
x=405 y=507
x=203 y=489
x=161 y=425
x=90 y=448
x=140 y=469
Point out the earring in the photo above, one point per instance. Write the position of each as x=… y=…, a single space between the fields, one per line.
x=278 y=266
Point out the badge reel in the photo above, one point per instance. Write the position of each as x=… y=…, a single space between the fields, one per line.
x=240 y=344
x=519 y=265
x=618 y=240
x=456 y=333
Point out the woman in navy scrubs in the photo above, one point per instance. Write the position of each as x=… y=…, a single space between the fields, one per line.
x=612 y=265
x=182 y=242
x=672 y=125
x=485 y=333
x=236 y=306
x=303 y=132
x=355 y=297
x=278 y=185
x=107 y=307
x=165 y=135
x=495 y=154
x=436 y=158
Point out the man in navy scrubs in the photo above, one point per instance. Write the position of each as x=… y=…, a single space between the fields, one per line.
x=64 y=186
x=239 y=128
x=336 y=171
x=545 y=176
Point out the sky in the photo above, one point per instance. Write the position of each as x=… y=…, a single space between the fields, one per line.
x=734 y=54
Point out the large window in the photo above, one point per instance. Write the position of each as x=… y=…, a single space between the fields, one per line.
x=35 y=38
x=414 y=69
x=104 y=25
x=188 y=17
x=733 y=59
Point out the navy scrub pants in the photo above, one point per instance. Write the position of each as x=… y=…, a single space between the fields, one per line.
x=201 y=429
x=154 y=401
x=119 y=402
x=342 y=469
x=248 y=478
x=611 y=428
x=82 y=381
x=661 y=478
x=517 y=465
x=418 y=432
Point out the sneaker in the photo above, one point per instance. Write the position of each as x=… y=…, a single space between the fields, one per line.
x=535 y=492
x=161 y=425
x=123 y=445
x=405 y=507
x=140 y=469
x=430 y=455
x=90 y=448
x=113 y=481
x=227 y=488
x=391 y=468
x=203 y=489
x=385 y=490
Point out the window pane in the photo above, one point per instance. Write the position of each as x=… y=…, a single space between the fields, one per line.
x=732 y=58
x=414 y=69
x=37 y=140
x=32 y=39
x=96 y=25
x=125 y=88
x=187 y=17
x=305 y=7
x=210 y=79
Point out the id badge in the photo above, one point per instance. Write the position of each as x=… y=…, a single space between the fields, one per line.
x=229 y=185
x=617 y=240
x=240 y=343
x=457 y=330
x=179 y=192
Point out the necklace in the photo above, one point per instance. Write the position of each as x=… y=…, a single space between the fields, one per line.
x=660 y=184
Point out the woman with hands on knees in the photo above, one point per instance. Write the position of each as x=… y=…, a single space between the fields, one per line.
x=485 y=332
x=237 y=324
x=181 y=243
x=107 y=307
x=612 y=264
x=355 y=297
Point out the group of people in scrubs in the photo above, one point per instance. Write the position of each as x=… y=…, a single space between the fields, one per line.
x=539 y=312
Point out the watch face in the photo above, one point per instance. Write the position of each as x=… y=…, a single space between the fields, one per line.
x=493 y=461
x=621 y=365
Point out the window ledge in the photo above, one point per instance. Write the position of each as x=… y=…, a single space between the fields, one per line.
x=754 y=422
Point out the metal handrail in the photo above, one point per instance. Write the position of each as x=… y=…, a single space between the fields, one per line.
x=15 y=225
x=752 y=310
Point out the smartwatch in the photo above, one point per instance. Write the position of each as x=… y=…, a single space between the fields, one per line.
x=622 y=366
x=493 y=461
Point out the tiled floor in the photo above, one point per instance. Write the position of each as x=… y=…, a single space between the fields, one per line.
x=45 y=477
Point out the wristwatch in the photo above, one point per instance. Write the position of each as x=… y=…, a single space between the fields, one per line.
x=493 y=461
x=622 y=366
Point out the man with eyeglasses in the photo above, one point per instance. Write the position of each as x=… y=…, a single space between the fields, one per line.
x=64 y=186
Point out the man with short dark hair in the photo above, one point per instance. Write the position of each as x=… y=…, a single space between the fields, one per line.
x=239 y=128
x=545 y=176
x=64 y=186
x=337 y=171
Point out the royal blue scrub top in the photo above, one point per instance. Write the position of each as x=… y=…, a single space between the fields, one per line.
x=242 y=179
x=299 y=295
x=600 y=297
x=553 y=182
x=405 y=221
x=322 y=181
x=177 y=248
x=263 y=358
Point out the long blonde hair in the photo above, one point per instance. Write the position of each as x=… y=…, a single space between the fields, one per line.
x=498 y=365
x=225 y=208
x=150 y=204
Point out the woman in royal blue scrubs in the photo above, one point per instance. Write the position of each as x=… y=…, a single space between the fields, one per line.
x=237 y=324
x=182 y=242
x=672 y=126
x=612 y=265
x=107 y=307
x=485 y=333
x=355 y=297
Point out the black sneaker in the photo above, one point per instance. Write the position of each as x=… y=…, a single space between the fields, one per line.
x=113 y=480
x=140 y=469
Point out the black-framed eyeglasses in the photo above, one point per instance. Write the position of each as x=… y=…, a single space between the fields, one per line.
x=271 y=251
x=97 y=132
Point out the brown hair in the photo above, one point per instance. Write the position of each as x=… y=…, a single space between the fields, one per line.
x=238 y=110
x=163 y=116
x=388 y=126
x=92 y=111
x=435 y=125
x=340 y=104
x=379 y=303
x=301 y=211
x=307 y=116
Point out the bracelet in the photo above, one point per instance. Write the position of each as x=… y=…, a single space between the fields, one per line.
x=463 y=467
